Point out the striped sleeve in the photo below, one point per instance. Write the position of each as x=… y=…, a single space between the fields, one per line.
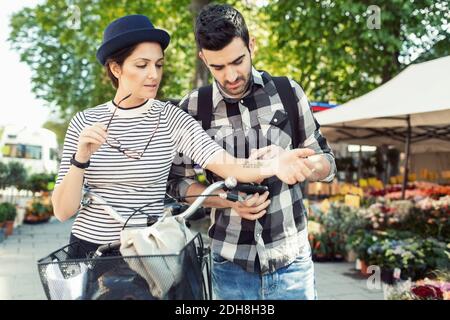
x=76 y=125
x=190 y=138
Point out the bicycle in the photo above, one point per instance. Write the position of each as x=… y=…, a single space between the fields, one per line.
x=108 y=275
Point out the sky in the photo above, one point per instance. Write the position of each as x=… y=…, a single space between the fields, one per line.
x=19 y=105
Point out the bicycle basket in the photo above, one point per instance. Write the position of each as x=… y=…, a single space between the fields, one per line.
x=111 y=278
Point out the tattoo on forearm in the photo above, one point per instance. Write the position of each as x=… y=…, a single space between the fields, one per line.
x=252 y=164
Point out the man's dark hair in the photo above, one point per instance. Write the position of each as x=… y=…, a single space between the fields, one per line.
x=217 y=25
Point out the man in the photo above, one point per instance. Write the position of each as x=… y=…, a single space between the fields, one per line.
x=259 y=246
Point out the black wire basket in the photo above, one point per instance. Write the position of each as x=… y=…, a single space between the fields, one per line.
x=181 y=276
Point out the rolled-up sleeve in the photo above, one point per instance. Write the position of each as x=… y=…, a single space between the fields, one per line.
x=314 y=138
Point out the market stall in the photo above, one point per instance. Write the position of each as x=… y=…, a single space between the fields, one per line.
x=411 y=112
x=402 y=226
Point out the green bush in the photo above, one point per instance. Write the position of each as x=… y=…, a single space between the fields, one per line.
x=2 y=216
x=39 y=182
x=415 y=257
x=338 y=223
x=433 y=222
x=39 y=209
x=8 y=210
x=360 y=241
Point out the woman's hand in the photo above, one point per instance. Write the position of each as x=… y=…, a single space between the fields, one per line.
x=90 y=140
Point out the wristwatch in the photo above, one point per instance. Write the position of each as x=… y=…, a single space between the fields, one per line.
x=81 y=165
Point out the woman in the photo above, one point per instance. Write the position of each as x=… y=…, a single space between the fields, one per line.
x=123 y=149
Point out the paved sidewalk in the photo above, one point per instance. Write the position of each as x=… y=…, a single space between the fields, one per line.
x=19 y=279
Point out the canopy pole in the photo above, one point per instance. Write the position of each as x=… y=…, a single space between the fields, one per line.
x=407 y=152
x=360 y=156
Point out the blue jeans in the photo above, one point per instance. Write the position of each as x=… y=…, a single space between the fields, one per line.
x=293 y=282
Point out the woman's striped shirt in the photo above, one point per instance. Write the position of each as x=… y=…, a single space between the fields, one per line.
x=131 y=183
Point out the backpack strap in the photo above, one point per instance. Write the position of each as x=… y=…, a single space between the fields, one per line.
x=204 y=114
x=289 y=102
x=205 y=106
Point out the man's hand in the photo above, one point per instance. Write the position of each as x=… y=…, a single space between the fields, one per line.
x=310 y=167
x=293 y=166
x=254 y=207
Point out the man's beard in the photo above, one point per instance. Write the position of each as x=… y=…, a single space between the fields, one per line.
x=247 y=81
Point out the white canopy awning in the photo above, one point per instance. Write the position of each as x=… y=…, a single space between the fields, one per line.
x=420 y=92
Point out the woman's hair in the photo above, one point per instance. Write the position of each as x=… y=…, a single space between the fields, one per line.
x=217 y=25
x=118 y=57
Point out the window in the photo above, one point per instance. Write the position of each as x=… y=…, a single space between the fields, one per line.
x=33 y=152
x=22 y=151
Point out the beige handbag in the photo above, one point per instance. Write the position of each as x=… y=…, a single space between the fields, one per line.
x=167 y=237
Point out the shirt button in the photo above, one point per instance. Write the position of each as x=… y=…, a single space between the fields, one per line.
x=275 y=120
x=258 y=235
x=242 y=101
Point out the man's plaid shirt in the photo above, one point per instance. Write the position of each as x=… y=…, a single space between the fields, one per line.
x=280 y=235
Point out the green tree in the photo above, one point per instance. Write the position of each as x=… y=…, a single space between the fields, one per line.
x=17 y=175
x=332 y=49
x=13 y=174
x=201 y=76
x=59 y=42
x=325 y=45
x=39 y=182
x=4 y=173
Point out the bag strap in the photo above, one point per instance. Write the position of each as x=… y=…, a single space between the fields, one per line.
x=205 y=106
x=289 y=102
x=204 y=112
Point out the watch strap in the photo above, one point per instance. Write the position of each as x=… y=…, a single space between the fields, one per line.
x=81 y=165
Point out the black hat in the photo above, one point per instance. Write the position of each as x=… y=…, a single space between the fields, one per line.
x=127 y=31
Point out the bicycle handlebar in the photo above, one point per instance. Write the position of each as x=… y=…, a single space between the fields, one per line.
x=230 y=183
x=251 y=188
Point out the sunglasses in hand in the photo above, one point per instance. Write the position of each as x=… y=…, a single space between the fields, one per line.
x=116 y=144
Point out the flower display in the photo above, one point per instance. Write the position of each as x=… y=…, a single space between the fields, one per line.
x=437 y=288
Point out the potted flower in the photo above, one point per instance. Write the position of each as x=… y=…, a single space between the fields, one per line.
x=399 y=259
x=437 y=255
x=38 y=211
x=430 y=217
x=10 y=212
x=2 y=223
x=2 y=217
x=435 y=288
x=319 y=248
x=360 y=242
